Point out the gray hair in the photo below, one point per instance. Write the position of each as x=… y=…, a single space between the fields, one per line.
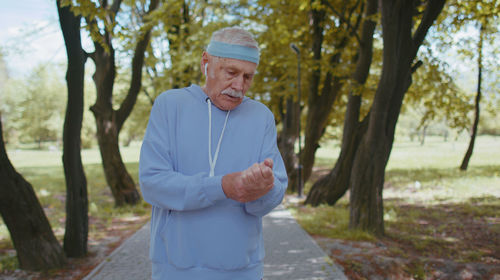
x=235 y=36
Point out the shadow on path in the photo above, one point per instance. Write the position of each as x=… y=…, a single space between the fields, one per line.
x=291 y=254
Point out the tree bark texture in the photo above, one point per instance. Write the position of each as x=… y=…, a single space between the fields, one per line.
x=76 y=233
x=400 y=49
x=468 y=154
x=287 y=138
x=36 y=246
x=110 y=121
x=330 y=188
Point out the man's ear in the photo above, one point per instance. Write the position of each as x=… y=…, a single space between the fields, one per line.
x=204 y=62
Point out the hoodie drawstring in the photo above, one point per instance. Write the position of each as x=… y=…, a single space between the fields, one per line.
x=212 y=162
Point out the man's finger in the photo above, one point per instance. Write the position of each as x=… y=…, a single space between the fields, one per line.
x=254 y=170
x=261 y=172
x=266 y=172
x=268 y=162
x=245 y=177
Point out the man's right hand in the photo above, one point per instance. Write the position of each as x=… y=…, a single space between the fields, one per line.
x=250 y=184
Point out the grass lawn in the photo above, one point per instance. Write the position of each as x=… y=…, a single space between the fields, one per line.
x=438 y=219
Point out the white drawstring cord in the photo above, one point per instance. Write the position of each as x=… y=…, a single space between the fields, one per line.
x=212 y=162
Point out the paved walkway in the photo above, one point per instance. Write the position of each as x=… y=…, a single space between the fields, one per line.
x=291 y=254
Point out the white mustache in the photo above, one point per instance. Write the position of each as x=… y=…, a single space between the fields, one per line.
x=232 y=92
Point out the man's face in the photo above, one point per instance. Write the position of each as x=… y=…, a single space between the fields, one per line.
x=227 y=80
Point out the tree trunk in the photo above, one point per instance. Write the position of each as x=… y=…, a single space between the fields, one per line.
x=468 y=154
x=109 y=121
x=317 y=118
x=334 y=185
x=37 y=247
x=320 y=104
x=424 y=134
x=366 y=203
x=287 y=139
x=119 y=180
x=76 y=234
x=313 y=129
x=331 y=187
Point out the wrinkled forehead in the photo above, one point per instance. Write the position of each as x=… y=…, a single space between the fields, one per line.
x=235 y=64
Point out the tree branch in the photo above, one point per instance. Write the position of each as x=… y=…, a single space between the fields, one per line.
x=344 y=20
x=359 y=19
x=416 y=66
x=365 y=52
x=432 y=11
x=86 y=55
x=115 y=7
x=95 y=34
x=151 y=100
x=136 y=82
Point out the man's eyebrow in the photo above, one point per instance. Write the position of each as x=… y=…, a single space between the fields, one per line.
x=235 y=68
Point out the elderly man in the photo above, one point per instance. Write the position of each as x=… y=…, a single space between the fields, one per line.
x=211 y=169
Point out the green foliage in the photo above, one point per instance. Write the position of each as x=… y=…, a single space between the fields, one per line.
x=279 y=26
x=457 y=36
x=4 y=73
x=181 y=35
x=99 y=20
x=182 y=29
x=489 y=124
x=41 y=112
x=33 y=107
x=134 y=128
x=435 y=97
x=9 y=263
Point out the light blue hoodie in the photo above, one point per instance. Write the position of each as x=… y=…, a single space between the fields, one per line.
x=196 y=231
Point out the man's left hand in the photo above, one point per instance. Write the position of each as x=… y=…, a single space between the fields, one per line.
x=250 y=184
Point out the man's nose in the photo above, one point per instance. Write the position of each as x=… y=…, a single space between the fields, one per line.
x=238 y=83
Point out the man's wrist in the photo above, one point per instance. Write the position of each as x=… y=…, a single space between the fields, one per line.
x=228 y=182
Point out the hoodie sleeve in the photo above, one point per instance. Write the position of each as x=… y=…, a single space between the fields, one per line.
x=161 y=185
x=273 y=198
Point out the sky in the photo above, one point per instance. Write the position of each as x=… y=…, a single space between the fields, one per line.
x=30 y=35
